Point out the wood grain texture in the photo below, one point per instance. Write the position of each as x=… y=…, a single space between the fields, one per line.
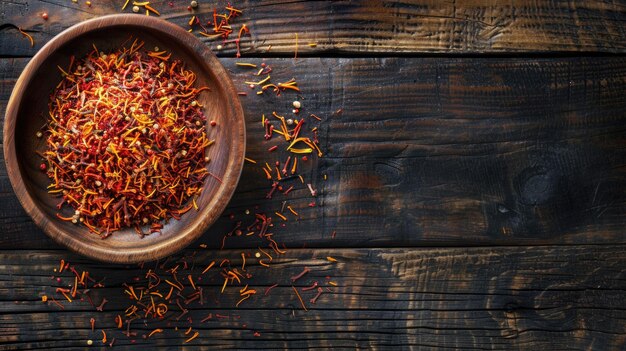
x=558 y=298
x=482 y=150
x=433 y=151
x=364 y=27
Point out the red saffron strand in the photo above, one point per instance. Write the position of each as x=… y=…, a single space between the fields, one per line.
x=300 y=275
x=319 y=293
x=269 y=288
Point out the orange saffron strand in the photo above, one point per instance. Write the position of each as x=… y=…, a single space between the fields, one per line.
x=224 y=286
x=212 y=36
x=174 y=285
x=242 y=300
x=208 y=267
x=148 y=7
x=266 y=254
x=75 y=286
x=132 y=292
x=195 y=335
x=235 y=276
x=66 y=296
x=292 y=87
x=299 y=298
x=158 y=330
x=274 y=246
x=278 y=173
x=292 y=210
x=30 y=38
x=295 y=165
x=169 y=294
x=191 y=281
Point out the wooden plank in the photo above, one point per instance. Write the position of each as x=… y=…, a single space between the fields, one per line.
x=560 y=298
x=430 y=151
x=344 y=27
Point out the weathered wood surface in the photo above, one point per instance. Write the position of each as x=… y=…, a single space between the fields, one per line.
x=432 y=151
x=558 y=298
x=484 y=150
x=363 y=27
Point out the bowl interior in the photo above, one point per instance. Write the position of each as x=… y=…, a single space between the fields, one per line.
x=221 y=104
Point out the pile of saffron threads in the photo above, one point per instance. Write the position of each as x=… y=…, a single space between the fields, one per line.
x=126 y=140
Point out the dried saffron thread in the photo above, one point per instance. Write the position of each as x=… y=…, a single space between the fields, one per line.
x=208 y=267
x=313 y=286
x=158 y=330
x=281 y=216
x=151 y=9
x=269 y=288
x=319 y=293
x=195 y=335
x=300 y=275
x=299 y=298
x=30 y=37
x=242 y=300
x=193 y=285
x=245 y=64
x=292 y=210
x=208 y=317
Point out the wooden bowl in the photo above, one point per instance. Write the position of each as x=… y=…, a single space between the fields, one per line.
x=27 y=111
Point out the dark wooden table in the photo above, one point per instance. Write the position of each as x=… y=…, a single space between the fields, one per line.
x=476 y=181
